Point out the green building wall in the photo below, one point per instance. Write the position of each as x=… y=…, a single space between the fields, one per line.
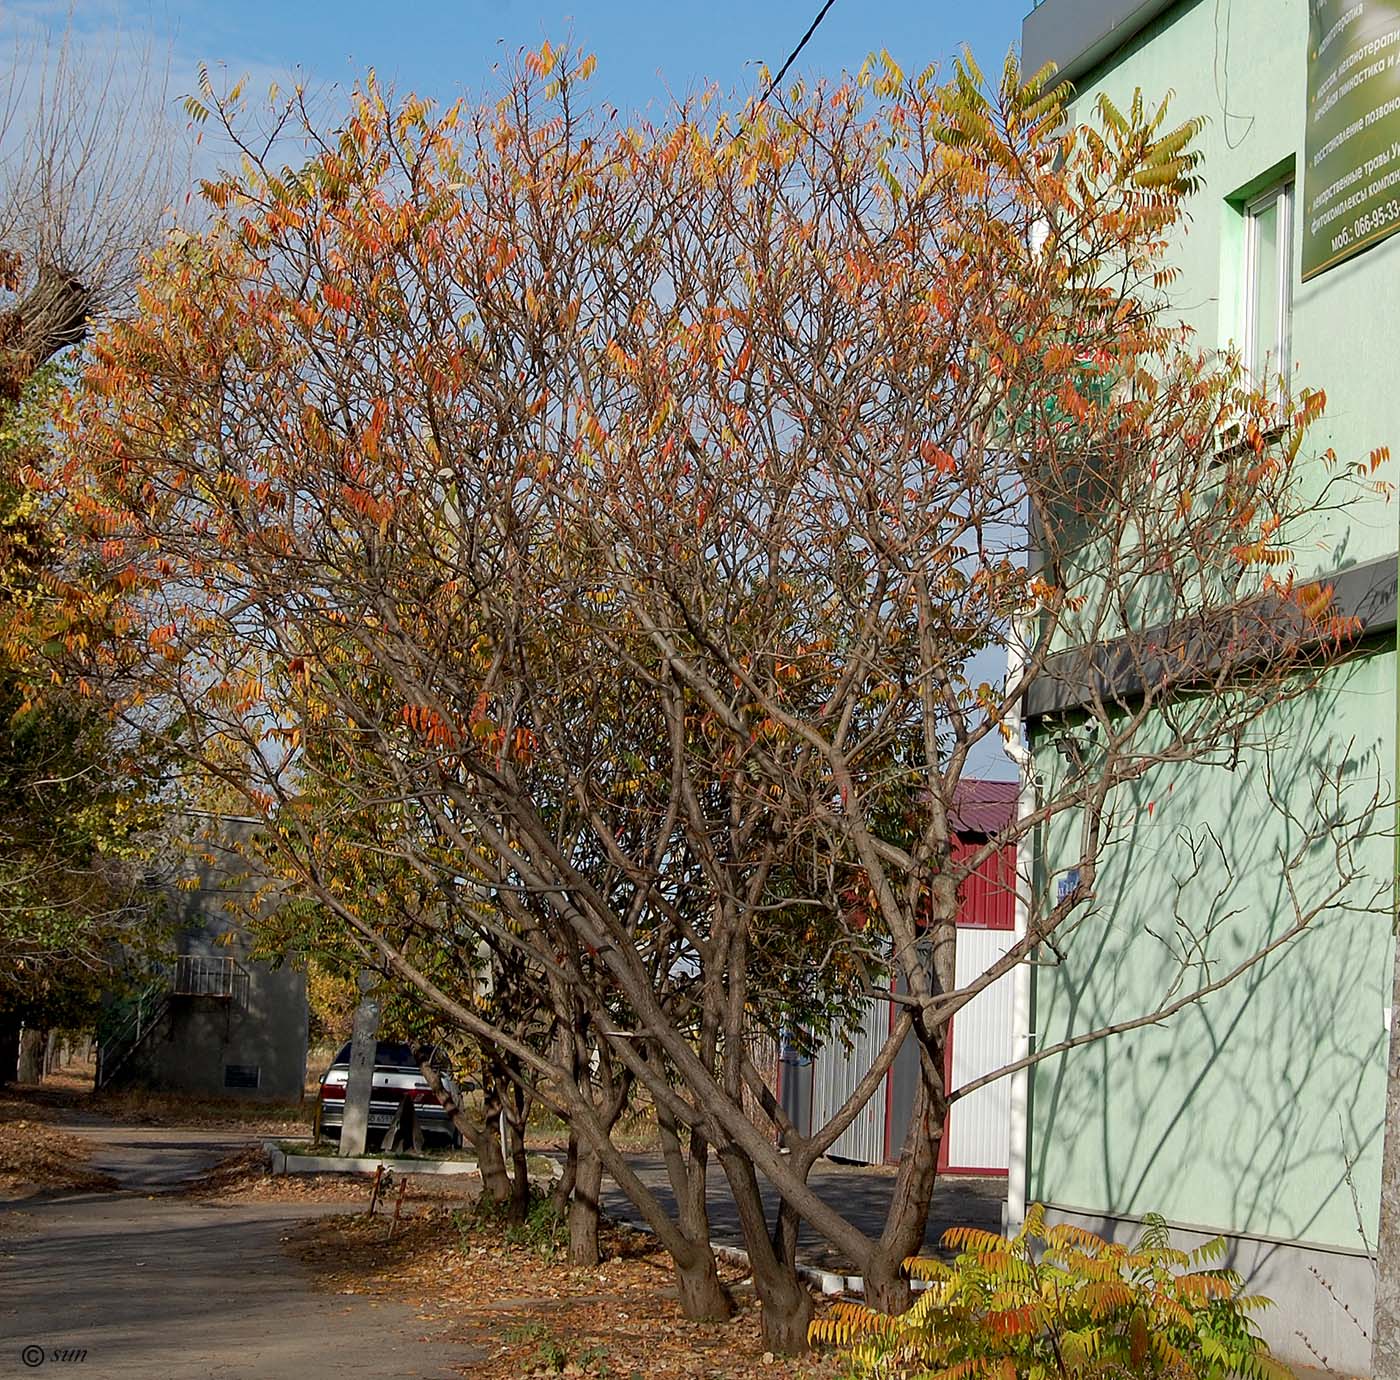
x=1259 y=1112
x=1242 y=65
x=1241 y=1113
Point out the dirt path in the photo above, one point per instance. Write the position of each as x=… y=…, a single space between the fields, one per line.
x=160 y=1285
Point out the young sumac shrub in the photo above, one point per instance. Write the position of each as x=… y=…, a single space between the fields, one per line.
x=1058 y=1301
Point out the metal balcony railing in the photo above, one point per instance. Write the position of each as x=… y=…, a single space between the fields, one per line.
x=195 y=975
x=134 y=1023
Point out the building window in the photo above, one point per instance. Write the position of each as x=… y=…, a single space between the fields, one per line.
x=1268 y=288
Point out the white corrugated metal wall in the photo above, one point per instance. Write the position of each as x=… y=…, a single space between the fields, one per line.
x=835 y=1073
x=979 y=1127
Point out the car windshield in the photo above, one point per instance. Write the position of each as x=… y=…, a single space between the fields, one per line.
x=389 y=1054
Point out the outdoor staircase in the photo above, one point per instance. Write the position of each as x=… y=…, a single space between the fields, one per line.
x=133 y=1030
x=190 y=975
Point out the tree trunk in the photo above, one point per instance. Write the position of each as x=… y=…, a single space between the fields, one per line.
x=564 y=1187
x=785 y=1249
x=786 y=1310
x=703 y=1298
x=785 y=1302
x=886 y=1285
x=583 y=1209
x=482 y=1133
x=31 y=1056
x=785 y=1233
x=886 y=1288
x=519 y=1158
x=53 y=315
x=405 y=1132
x=685 y=1237
x=1385 y=1332
x=491 y=1163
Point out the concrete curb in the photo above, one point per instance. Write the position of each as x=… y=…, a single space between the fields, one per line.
x=826 y=1281
x=283 y=1163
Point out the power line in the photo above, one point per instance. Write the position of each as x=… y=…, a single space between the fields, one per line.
x=792 y=56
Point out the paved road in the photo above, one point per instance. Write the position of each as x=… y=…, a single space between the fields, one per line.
x=861 y=1194
x=160 y=1286
x=153 y=1284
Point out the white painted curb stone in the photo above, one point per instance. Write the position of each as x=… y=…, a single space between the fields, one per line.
x=283 y=1163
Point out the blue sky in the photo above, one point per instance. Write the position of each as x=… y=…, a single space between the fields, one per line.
x=444 y=47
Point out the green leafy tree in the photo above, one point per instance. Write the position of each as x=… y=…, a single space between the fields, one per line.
x=76 y=791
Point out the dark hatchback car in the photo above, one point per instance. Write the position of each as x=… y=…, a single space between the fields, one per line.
x=396 y=1077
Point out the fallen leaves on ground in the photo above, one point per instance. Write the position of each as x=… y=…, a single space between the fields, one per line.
x=35 y=1156
x=533 y=1314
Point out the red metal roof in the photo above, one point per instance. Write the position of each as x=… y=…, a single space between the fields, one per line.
x=984 y=807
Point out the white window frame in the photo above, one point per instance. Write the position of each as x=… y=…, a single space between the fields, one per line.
x=1280 y=193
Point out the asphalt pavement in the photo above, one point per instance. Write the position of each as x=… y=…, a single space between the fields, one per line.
x=152 y=1283
x=861 y=1193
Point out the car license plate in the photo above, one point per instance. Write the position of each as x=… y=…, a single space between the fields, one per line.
x=380 y=1118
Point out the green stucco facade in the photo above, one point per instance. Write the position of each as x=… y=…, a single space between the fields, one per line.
x=1240 y=1113
x=1259 y=1112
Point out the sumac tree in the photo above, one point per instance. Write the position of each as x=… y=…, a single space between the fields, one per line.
x=625 y=514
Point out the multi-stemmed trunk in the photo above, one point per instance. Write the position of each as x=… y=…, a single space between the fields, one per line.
x=785 y=1301
x=597 y=1079
x=702 y=1295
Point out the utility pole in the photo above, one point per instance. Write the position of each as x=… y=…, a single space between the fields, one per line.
x=354 y=1128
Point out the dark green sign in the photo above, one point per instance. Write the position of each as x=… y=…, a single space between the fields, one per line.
x=1351 y=180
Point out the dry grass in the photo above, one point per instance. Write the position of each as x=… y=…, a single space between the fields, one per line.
x=179 y=1109
x=66 y=1092
x=37 y=1157
x=534 y=1315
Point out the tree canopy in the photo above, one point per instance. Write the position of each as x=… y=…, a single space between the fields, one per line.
x=577 y=542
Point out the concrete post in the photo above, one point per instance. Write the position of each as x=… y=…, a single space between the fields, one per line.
x=1385 y=1333
x=1385 y=1329
x=363 y=1038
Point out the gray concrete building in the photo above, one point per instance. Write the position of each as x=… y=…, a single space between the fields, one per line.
x=212 y=1021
